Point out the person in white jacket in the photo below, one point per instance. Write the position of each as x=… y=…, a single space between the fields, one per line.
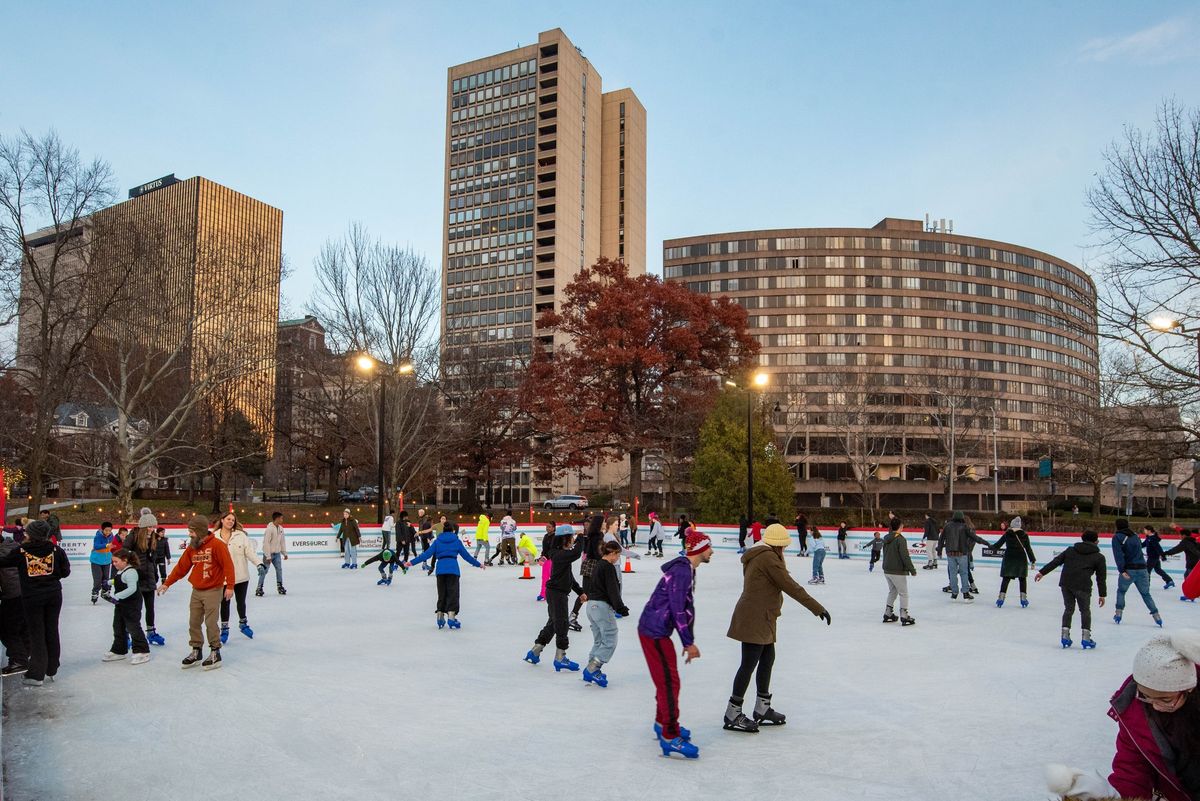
x=242 y=552
x=389 y=528
x=274 y=551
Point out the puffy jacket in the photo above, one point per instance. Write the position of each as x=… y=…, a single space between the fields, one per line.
x=482 y=529
x=1018 y=553
x=241 y=551
x=1153 y=549
x=562 y=578
x=446 y=549
x=1191 y=584
x=958 y=537
x=10 y=577
x=765 y=579
x=671 y=606
x=1079 y=563
x=348 y=530
x=273 y=541
x=896 y=560
x=1127 y=551
x=101 y=552
x=1190 y=549
x=1139 y=768
x=42 y=567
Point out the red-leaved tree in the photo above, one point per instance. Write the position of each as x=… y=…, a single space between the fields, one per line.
x=633 y=342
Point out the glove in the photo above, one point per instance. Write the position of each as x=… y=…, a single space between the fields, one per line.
x=828 y=618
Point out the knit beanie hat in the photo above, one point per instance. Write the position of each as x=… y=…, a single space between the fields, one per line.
x=198 y=525
x=147 y=519
x=38 y=530
x=1015 y=523
x=776 y=536
x=1167 y=663
x=697 y=543
x=958 y=516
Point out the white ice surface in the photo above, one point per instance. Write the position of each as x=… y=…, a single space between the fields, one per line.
x=348 y=691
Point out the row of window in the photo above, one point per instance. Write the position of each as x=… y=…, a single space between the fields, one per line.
x=460 y=285
x=522 y=147
x=879 y=243
x=939 y=323
x=494 y=319
x=494 y=166
x=484 y=259
x=487 y=137
x=494 y=107
x=492 y=302
x=915 y=360
x=489 y=77
x=979 y=386
x=465 y=350
x=493 y=92
x=499 y=184
x=489 y=242
x=487 y=210
x=494 y=121
x=493 y=227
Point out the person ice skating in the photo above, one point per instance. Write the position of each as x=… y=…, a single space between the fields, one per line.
x=897 y=567
x=801 y=523
x=1189 y=546
x=1152 y=546
x=623 y=530
x=447 y=549
x=13 y=632
x=406 y=539
x=604 y=604
x=527 y=550
x=842 y=532
x=127 y=612
x=612 y=534
x=876 y=546
x=1131 y=567
x=1080 y=563
x=654 y=542
x=241 y=553
x=597 y=528
x=756 y=532
x=209 y=569
x=1018 y=557
x=818 y=557
x=1157 y=711
x=387 y=531
x=958 y=539
x=565 y=550
x=483 y=538
x=743 y=530
x=350 y=536
x=765 y=579
x=42 y=566
x=929 y=539
x=49 y=518
x=162 y=555
x=388 y=561
x=143 y=541
x=425 y=531
x=507 y=548
x=1191 y=586
x=671 y=608
x=101 y=560
x=274 y=551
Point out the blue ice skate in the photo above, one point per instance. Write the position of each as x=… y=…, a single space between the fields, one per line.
x=382 y=580
x=1024 y=603
x=678 y=746
x=224 y=633
x=454 y=623
x=598 y=678
x=155 y=638
x=1066 y=642
x=244 y=627
x=1086 y=643
x=565 y=664
x=441 y=621
x=683 y=733
x=532 y=657
x=999 y=603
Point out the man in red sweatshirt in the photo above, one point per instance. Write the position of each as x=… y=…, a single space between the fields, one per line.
x=207 y=565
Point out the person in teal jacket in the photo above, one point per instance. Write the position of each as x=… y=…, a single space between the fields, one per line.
x=101 y=559
x=445 y=550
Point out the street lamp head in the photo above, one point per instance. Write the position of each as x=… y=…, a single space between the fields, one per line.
x=1163 y=322
x=365 y=363
x=730 y=383
x=405 y=368
x=761 y=379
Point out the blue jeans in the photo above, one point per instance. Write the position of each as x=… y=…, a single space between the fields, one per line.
x=959 y=567
x=604 y=631
x=276 y=559
x=351 y=557
x=1139 y=578
x=819 y=563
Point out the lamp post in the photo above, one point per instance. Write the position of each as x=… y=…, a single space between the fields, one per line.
x=1165 y=324
x=757 y=381
x=367 y=363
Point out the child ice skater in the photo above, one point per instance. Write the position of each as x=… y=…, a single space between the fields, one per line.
x=876 y=546
x=817 y=551
x=564 y=552
x=603 y=591
x=388 y=561
x=447 y=549
x=1080 y=563
x=127 y=611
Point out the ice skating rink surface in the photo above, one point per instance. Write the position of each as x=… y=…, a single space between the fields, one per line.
x=348 y=691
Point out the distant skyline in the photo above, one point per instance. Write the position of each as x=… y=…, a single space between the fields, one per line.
x=768 y=115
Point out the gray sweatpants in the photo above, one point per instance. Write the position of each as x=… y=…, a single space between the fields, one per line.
x=897 y=586
x=604 y=631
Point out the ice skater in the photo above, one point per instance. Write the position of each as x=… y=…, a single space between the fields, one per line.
x=654 y=541
x=1152 y=544
x=1189 y=546
x=802 y=533
x=143 y=541
x=206 y=563
x=1018 y=558
x=1131 y=565
x=101 y=560
x=929 y=539
x=388 y=561
x=818 y=557
x=162 y=554
x=1080 y=563
x=765 y=579
x=483 y=538
x=897 y=567
x=241 y=553
x=672 y=608
x=42 y=566
x=564 y=552
x=127 y=612
x=447 y=549
x=527 y=550
x=349 y=535
x=958 y=539
x=508 y=538
x=604 y=604
x=843 y=531
x=547 y=544
x=274 y=552
x=876 y=546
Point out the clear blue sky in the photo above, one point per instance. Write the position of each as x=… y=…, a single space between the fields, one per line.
x=760 y=115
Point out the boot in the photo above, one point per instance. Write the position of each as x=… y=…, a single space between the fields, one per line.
x=534 y=655
x=224 y=633
x=1157 y=618
x=679 y=746
x=1024 y=600
x=889 y=616
x=245 y=628
x=764 y=715
x=452 y=620
x=279 y=588
x=441 y=620
x=735 y=720
x=214 y=660
x=1000 y=600
x=258 y=592
x=1087 y=641
x=905 y=620
x=1066 y=638
x=95 y=595
x=192 y=659
x=593 y=675
x=968 y=597
x=573 y=624
x=154 y=638
x=561 y=662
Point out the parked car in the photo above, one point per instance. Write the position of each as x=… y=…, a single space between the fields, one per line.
x=566 y=502
x=352 y=497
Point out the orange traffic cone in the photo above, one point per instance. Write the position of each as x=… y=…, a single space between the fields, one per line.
x=527 y=574
x=629 y=565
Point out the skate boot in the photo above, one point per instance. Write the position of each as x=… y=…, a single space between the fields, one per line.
x=764 y=715
x=954 y=596
x=1024 y=601
x=154 y=638
x=452 y=621
x=1185 y=598
x=387 y=582
x=1169 y=585
x=382 y=581
x=441 y=620
x=968 y=598
x=95 y=595
x=946 y=588
x=684 y=734
x=1000 y=600
x=139 y=659
x=192 y=659
x=214 y=660
x=534 y=655
x=593 y=675
x=679 y=746
x=573 y=624
x=279 y=588
x=224 y=633
x=111 y=657
x=561 y=662
x=1087 y=641
x=258 y=592
x=1066 y=638
x=1117 y=617
x=905 y=620
x=1157 y=618
x=735 y=720
x=244 y=627
x=889 y=617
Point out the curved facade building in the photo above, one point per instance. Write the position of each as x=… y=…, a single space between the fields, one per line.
x=900 y=356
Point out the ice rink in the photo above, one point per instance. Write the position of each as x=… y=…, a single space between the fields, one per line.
x=349 y=692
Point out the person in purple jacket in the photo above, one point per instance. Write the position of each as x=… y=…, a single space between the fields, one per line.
x=671 y=608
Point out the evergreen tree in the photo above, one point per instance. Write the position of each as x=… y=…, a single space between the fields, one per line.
x=719 y=472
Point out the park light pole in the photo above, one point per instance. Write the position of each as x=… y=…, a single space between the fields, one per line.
x=1166 y=324
x=758 y=380
x=368 y=364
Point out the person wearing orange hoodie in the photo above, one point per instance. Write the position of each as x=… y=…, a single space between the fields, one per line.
x=209 y=568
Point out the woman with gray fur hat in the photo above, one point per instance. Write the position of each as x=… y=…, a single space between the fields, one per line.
x=42 y=566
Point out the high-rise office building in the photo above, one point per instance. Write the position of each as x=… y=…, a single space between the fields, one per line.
x=545 y=174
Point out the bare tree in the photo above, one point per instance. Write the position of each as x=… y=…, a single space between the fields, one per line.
x=864 y=434
x=62 y=272
x=957 y=412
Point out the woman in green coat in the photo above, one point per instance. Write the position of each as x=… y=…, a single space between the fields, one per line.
x=765 y=579
x=1015 y=565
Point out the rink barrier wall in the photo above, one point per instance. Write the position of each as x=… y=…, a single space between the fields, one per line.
x=313 y=541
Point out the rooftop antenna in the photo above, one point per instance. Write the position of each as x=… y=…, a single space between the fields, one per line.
x=952 y=226
x=927 y=221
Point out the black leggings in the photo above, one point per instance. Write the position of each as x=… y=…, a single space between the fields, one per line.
x=1156 y=567
x=754 y=656
x=239 y=595
x=1082 y=599
x=1023 y=583
x=148 y=603
x=407 y=550
x=447 y=587
x=556 y=622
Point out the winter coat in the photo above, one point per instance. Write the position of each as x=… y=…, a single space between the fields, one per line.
x=273 y=541
x=958 y=537
x=241 y=551
x=349 y=531
x=1016 y=548
x=147 y=561
x=1190 y=549
x=482 y=529
x=1080 y=563
x=1127 y=551
x=405 y=533
x=931 y=529
x=213 y=566
x=896 y=560
x=562 y=579
x=526 y=543
x=604 y=584
x=162 y=551
x=101 y=553
x=10 y=577
x=508 y=528
x=1153 y=548
x=446 y=549
x=765 y=579
x=1139 y=767
x=671 y=606
x=42 y=567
